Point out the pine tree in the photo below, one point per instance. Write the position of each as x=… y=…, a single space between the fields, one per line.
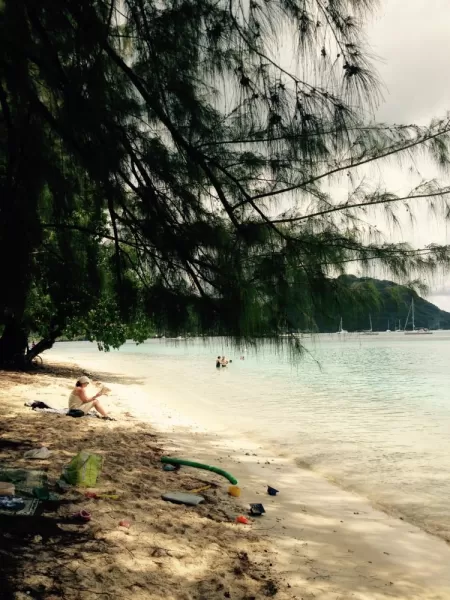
x=211 y=163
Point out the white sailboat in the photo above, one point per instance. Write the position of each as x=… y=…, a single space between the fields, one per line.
x=341 y=329
x=370 y=331
x=414 y=331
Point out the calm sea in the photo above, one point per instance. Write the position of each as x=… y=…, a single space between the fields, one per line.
x=372 y=413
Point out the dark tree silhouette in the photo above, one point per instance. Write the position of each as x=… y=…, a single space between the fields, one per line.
x=170 y=139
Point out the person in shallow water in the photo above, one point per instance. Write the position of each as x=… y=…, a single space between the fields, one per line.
x=78 y=399
x=218 y=362
x=223 y=361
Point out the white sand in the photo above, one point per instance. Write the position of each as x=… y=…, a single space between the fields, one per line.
x=330 y=544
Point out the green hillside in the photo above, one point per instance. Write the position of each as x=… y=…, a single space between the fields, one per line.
x=390 y=309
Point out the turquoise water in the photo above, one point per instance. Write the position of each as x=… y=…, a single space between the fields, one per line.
x=372 y=413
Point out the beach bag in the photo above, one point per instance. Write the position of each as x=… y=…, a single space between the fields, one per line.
x=83 y=470
x=75 y=412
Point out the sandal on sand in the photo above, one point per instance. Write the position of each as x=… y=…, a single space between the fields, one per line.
x=108 y=419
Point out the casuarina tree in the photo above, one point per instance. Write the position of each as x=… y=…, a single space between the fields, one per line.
x=206 y=140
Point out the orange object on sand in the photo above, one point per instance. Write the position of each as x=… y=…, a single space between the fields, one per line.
x=242 y=519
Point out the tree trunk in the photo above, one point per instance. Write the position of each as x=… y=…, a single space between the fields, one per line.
x=13 y=343
x=44 y=344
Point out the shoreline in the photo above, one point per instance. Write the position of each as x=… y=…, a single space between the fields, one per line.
x=328 y=540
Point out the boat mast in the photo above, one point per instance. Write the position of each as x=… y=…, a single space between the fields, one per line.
x=407 y=316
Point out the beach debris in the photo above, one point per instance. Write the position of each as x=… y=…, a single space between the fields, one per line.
x=125 y=523
x=83 y=516
x=234 y=490
x=272 y=491
x=43 y=493
x=62 y=486
x=7 y=489
x=171 y=467
x=243 y=520
x=183 y=498
x=257 y=509
x=12 y=503
x=200 y=489
x=83 y=470
x=38 y=453
x=196 y=465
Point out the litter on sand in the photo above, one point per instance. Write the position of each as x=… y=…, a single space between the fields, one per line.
x=7 y=489
x=183 y=498
x=234 y=490
x=83 y=516
x=83 y=470
x=24 y=481
x=38 y=453
x=171 y=467
x=12 y=503
x=125 y=523
x=257 y=509
x=243 y=520
x=200 y=489
x=189 y=463
x=272 y=491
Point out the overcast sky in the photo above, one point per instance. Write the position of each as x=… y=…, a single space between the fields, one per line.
x=411 y=39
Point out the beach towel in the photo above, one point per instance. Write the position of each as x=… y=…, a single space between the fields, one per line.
x=41 y=407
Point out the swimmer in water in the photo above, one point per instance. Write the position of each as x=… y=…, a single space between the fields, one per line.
x=218 y=362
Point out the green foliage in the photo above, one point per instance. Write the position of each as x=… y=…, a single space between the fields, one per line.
x=159 y=168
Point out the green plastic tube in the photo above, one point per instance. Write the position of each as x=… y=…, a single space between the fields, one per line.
x=189 y=463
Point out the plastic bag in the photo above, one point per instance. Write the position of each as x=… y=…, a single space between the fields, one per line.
x=83 y=470
x=38 y=453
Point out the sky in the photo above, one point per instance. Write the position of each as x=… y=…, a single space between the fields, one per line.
x=410 y=39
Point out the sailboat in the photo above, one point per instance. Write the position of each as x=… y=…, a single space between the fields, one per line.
x=341 y=330
x=414 y=331
x=370 y=331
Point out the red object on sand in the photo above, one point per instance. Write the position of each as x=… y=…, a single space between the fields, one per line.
x=125 y=523
x=242 y=519
x=83 y=515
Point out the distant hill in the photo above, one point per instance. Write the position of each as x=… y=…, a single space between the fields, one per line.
x=392 y=310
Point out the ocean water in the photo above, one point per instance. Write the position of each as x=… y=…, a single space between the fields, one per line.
x=371 y=413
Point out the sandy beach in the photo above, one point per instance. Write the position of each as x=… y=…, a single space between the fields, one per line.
x=315 y=541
